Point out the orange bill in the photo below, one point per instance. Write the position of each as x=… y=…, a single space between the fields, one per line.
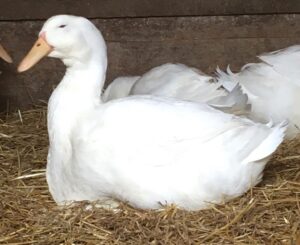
x=4 y=55
x=39 y=50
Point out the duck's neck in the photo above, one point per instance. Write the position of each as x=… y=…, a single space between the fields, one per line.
x=83 y=84
x=75 y=97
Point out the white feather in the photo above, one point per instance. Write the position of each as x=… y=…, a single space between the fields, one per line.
x=181 y=82
x=119 y=88
x=272 y=87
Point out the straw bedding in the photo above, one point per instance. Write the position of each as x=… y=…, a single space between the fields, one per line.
x=268 y=214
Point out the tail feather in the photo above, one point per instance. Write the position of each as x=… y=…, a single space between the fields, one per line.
x=236 y=102
x=269 y=145
x=227 y=79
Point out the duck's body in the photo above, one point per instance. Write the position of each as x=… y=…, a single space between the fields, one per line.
x=167 y=159
x=167 y=80
x=181 y=82
x=143 y=150
x=273 y=87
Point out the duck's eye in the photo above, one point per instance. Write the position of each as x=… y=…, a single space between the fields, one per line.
x=62 y=26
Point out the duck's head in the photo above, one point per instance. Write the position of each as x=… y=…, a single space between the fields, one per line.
x=74 y=40
x=4 y=55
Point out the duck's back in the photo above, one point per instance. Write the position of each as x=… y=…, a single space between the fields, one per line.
x=285 y=62
x=167 y=150
x=156 y=120
x=178 y=81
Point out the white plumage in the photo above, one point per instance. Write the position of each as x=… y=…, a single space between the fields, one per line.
x=181 y=82
x=143 y=150
x=119 y=88
x=272 y=86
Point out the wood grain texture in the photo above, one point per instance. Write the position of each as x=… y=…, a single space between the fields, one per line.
x=137 y=44
x=37 y=9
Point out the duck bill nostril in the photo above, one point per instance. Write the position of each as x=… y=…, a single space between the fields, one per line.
x=4 y=55
x=39 y=50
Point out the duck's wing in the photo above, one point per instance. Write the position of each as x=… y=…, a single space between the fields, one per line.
x=178 y=81
x=159 y=130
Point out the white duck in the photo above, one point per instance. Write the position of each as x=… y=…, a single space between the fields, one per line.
x=181 y=82
x=272 y=86
x=143 y=150
x=4 y=55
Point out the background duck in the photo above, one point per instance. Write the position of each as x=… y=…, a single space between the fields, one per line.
x=272 y=86
x=144 y=150
x=181 y=82
x=119 y=88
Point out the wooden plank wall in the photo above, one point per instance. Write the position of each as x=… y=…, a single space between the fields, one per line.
x=35 y=9
x=140 y=36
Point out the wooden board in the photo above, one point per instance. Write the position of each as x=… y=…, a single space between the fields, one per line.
x=136 y=45
x=37 y=9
